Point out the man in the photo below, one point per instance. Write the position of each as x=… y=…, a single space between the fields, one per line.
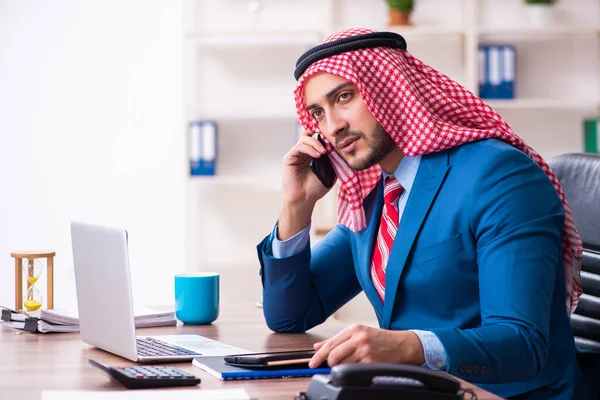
x=468 y=255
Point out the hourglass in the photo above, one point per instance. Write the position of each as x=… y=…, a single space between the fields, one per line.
x=33 y=271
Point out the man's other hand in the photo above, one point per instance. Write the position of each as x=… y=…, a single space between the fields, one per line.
x=364 y=344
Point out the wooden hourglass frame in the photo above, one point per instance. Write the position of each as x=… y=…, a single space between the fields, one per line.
x=31 y=256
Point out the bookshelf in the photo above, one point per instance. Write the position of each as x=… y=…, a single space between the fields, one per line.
x=239 y=57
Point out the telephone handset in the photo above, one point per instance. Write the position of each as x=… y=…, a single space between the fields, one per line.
x=383 y=382
x=322 y=167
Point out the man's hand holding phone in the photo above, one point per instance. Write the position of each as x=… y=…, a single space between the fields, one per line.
x=322 y=167
x=301 y=186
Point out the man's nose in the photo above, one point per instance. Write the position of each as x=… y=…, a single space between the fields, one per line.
x=335 y=125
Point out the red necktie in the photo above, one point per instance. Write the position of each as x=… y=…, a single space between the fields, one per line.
x=387 y=232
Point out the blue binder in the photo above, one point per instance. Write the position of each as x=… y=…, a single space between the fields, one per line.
x=202 y=147
x=497 y=71
x=216 y=366
x=482 y=71
x=509 y=63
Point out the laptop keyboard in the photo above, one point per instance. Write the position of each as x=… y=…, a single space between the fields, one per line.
x=150 y=347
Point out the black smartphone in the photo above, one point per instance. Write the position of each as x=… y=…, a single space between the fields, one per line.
x=271 y=359
x=322 y=167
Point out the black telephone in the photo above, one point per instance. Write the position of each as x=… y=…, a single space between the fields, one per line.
x=383 y=382
x=322 y=167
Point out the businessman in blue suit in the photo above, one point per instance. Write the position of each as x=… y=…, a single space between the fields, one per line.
x=465 y=268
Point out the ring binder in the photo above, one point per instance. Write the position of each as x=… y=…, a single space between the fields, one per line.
x=202 y=147
x=497 y=71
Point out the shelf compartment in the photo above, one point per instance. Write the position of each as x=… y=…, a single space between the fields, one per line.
x=512 y=17
x=546 y=77
x=439 y=18
x=240 y=15
x=250 y=81
x=250 y=151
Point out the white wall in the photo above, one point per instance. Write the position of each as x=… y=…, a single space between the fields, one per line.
x=91 y=128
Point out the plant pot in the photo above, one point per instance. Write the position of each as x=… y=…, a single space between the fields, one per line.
x=540 y=15
x=399 y=17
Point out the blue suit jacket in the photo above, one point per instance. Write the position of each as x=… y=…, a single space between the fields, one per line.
x=477 y=260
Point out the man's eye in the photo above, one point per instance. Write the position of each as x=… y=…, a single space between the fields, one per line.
x=344 y=96
x=317 y=114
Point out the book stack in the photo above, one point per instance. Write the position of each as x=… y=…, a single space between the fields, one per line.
x=67 y=320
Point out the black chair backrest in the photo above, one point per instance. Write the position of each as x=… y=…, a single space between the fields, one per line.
x=579 y=176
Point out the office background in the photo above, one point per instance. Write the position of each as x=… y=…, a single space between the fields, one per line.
x=96 y=98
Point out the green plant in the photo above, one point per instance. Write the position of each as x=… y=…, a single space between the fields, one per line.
x=402 y=5
x=549 y=2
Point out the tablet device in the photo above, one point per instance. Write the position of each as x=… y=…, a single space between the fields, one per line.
x=298 y=358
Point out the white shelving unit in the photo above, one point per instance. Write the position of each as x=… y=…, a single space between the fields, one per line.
x=239 y=62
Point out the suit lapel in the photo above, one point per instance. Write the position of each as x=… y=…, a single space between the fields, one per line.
x=430 y=176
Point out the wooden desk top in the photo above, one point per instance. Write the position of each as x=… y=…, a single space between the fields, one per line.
x=31 y=363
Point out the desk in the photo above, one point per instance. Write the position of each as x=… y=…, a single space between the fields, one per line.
x=30 y=363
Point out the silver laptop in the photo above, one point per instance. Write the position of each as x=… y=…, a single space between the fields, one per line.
x=105 y=302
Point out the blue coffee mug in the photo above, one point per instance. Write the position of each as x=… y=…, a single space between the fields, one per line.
x=197 y=298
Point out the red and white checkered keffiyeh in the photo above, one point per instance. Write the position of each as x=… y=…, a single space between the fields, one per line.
x=424 y=111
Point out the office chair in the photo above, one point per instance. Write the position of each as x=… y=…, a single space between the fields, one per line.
x=579 y=176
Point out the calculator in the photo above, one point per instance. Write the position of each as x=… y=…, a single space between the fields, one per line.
x=141 y=377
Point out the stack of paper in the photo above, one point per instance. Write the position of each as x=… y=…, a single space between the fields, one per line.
x=67 y=320
x=144 y=317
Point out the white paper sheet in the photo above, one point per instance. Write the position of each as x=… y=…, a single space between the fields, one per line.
x=147 y=394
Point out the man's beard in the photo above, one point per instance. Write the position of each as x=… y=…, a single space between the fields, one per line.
x=380 y=145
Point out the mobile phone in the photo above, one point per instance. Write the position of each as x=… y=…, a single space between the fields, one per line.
x=271 y=359
x=322 y=167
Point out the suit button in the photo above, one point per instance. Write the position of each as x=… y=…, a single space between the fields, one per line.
x=476 y=369
x=463 y=369
x=470 y=369
x=483 y=370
